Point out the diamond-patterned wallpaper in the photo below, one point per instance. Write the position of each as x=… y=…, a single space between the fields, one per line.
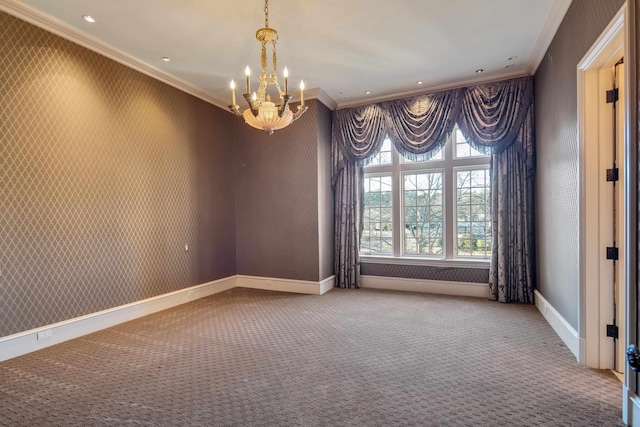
x=105 y=176
x=557 y=152
x=450 y=274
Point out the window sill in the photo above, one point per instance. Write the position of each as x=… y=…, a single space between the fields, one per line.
x=449 y=263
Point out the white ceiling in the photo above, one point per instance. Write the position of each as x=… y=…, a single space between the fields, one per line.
x=343 y=47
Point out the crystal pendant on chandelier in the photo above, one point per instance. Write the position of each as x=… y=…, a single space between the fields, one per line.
x=263 y=113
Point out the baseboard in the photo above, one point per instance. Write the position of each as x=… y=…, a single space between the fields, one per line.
x=286 y=285
x=630 y=407
x=26 y=342
x=627 y=405
x=565 y=331
x=468 y=289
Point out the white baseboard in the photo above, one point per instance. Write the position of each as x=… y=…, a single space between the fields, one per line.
x=286 y=285
x=35 y=339
x=25 y=342
x=627 y=405
x=630 y=407
x=565 y=331
x=468 y=289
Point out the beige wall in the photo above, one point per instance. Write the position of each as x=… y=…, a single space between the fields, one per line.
x=105 y=175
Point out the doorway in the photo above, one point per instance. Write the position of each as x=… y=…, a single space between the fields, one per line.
x=602 y=201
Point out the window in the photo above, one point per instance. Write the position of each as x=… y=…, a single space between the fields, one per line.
x=432 y=209
x=377 y=234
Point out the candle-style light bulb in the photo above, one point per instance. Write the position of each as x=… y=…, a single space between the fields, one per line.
x=233 y=92
x=254 y=96
x=285 y=73
x=301 y=93
x=247 y=72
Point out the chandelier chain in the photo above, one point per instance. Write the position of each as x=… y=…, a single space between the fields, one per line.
x=275 y=64
x=263 y=57
x=266 y=13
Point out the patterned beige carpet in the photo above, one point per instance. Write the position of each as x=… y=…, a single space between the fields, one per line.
x=347 y=358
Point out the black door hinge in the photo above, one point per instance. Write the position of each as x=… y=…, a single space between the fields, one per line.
x=612 y=175
x=612 y=95
x=612 y=253
x=612 y=331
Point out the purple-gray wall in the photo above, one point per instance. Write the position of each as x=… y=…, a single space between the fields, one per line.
x=105 y=175
x=280 y=181
x=556 y=115
x=325 y=193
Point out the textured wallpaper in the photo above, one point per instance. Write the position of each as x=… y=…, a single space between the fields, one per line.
x=425 y=272
x=277 y=206
x=325 y=193
x=105 y=176
x=557 y=152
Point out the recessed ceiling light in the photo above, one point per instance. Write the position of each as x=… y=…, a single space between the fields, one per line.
x=479 y=70
x=509 y=65
x=419 y=82
x=166 y=59
x=368 y=92
x=512 y=58
x=88 y=18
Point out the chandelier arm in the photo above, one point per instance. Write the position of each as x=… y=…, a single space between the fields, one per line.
x=252 y=107
x=300 y=112
x=235 y=109
x=283 y=106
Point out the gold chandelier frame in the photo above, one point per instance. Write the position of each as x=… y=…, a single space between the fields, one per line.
x=262 y=113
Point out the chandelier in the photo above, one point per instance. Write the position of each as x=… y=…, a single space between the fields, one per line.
x=263 y=113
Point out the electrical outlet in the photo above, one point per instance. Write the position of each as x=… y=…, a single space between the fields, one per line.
x=190 y=294
x=44 y=334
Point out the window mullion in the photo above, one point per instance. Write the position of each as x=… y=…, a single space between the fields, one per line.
x=449 y=192
x=397 y=204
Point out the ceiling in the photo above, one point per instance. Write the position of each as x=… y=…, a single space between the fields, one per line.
x=343 y=48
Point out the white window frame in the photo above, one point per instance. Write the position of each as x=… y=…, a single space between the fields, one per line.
x=448 y=167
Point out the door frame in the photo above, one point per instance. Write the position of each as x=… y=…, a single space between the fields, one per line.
x=625 y=23
x=630 y=400
x=604 y=52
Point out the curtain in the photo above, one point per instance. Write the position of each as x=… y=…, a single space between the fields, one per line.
x=357 y=134
x=511 y=275
x=421 y=125
x=496 y=119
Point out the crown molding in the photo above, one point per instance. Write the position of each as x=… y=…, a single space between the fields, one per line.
x=322 y=96
x=62 y=29
x=433 y=89
x=551 y=24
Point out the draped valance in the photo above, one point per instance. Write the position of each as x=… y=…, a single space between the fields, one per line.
x=489 y=115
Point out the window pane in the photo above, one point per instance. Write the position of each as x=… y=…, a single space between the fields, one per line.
x=473 y=222
x=463 y=149
x=424 y=157
x=423 y=226
x=383 y=157
x=377 y=233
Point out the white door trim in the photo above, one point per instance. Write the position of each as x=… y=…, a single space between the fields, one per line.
x=605 y=52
